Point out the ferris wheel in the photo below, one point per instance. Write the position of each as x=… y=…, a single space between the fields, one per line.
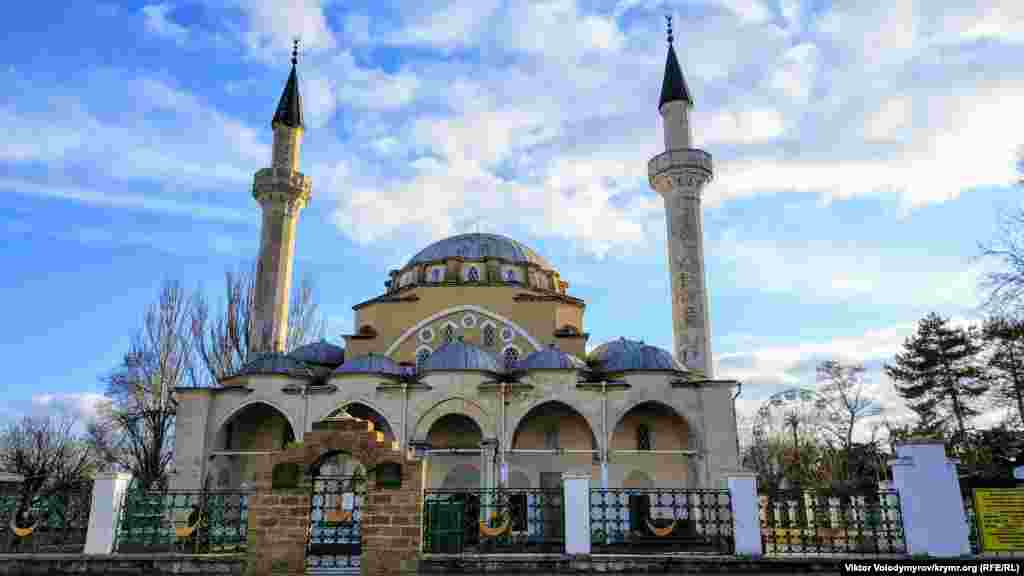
x=792 y=411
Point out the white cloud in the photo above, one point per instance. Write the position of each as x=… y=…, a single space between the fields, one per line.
x=753 y=11
x=273 y=25
x=890 y=120
x=83 y=405
x=453 y=26
x=156 y=22
x=830 y=271
x=746 y=127
x=795 y=73
x=142 y=202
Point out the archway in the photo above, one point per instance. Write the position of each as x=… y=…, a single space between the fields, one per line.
x=454 y=460
x=552 y=438
x=651 y=438
x=364 y=412
x=255 y=428
x=337 y=503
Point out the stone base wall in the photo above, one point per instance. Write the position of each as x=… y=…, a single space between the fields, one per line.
x=122 y=564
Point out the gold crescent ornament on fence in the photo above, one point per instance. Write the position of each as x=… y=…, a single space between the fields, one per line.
x=661 y=532
x=182 y=529
x=492 y=532
x=22 y=532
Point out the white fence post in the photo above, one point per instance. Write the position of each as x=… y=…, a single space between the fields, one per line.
x=577 y=512
x=107 y=498
x=933 y=513
x=746 y=513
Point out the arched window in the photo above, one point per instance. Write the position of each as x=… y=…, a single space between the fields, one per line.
x=643 y=437
x=489 y=336
x=449 y=333
x=511 y=355
x=435 y=275
x=421 y=357
x=473 y=275
x=551 y=436
x=510 y=275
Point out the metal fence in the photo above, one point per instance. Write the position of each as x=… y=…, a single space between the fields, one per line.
x=658 y=520
x=55 y=522
x=809 y=522
x=493 y=521
x=194 y=522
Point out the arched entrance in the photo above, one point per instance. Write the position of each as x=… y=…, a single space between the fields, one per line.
x=252 y=429
x=363 y=412
x=652 y=439
x=454 y=461
x=334 y=544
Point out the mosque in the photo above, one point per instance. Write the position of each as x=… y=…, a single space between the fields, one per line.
x=475 y=356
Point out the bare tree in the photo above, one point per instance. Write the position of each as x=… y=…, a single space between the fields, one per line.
x=842 y=399
x=1005 y=339
x=1004 y=288
x=224 y=341
x=47 y=452
x=135 y=428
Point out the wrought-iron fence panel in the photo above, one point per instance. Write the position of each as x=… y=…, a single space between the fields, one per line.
x=334 y=539
x=189 y=521
x=55 y=522
x=637 y=521
x=810 y=522
x=499 y=520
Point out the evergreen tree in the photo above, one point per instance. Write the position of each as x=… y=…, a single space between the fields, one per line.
x=1005 y=338
x=939 y=374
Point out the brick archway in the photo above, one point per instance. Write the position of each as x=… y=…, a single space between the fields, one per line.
x=279 y=509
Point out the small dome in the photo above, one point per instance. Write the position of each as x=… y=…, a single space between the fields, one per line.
x=370 y=364
x=477 y=247
x=626 y=355
x=323 y=353
x=551 y=358
x=275 y=363
x=458 y=355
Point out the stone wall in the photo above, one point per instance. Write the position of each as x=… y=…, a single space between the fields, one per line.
x=279 y=515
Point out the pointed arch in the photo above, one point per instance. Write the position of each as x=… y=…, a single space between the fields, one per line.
x=454 y=405
x=552 y=409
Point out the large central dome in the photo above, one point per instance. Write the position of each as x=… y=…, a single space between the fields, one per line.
x=478 y=246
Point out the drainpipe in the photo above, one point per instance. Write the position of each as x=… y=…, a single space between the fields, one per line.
x=604 y=434
x=502 y=474
x=405 y=411
x=739 y=390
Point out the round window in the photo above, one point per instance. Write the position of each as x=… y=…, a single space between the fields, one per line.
x=426 y=335
x=468 y=321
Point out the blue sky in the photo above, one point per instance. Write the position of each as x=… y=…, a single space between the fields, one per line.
x=862 y=151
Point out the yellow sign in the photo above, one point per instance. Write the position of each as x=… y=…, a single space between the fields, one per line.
x=1000 y=518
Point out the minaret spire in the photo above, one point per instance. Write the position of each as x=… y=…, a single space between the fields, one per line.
x=673 y=87
x=289 y=107
x=282 y=192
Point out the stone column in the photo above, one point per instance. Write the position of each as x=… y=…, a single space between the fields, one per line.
x=933 y=514
x=746 y=516
x=576 y=507
x=108 y=492
x=190 y=438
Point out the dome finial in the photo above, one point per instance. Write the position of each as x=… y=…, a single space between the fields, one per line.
x=295 y=50
x=668 y=20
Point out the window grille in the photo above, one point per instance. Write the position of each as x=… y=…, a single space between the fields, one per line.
x=643 y=437
x=449 y=333
x=474 y=274
x=511 y=357
x=489 y=336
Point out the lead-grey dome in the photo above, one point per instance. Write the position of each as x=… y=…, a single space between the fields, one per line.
x=628 y=355
x=322 y=353
x=551 y=358
x=275 y=363
x=458 y=355
x=370 y=364
x=477 y=246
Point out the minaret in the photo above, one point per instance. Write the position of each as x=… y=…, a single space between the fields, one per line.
x=282 y=192
x=679 y=174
